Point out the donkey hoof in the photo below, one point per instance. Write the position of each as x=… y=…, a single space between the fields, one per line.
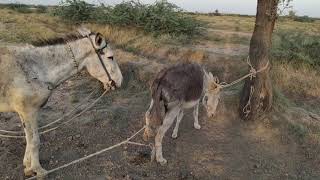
x=28 y=172
x=41 y=172
x=174 y=135
x=162 y=162
x=197 y=126
x=26 y=163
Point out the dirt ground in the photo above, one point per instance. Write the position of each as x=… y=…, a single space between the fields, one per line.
x=224 y=148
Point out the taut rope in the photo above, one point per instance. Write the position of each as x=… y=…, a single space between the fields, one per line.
x=58 y=126
x=253 y=73
x=127 y=141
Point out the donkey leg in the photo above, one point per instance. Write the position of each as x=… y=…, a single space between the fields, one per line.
x=27 y=155
x=176 y=128
x=148 y=113
x=196 y=117
x=147 y=116
x=167 y=122
x=31 y=129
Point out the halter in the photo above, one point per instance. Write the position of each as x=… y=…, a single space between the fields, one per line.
x=98 y=52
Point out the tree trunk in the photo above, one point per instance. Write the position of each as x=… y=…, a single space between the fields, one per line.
x=256 y=96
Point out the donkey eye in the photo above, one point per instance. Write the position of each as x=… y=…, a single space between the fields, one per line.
x=206 y=98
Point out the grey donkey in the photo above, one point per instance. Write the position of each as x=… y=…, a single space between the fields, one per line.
x=28 y=74
x=179 y=87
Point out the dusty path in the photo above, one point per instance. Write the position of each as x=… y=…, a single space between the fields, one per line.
x=225 y=147
x=245 y=34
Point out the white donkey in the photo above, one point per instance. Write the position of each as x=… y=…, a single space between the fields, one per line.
x=29 y=74
x=179 y=87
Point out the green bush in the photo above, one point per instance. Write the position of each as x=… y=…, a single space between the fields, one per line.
x=161 y=17
x=297 y=47
x=74 y=11
x=41 y=9
x=303 y=19
x=21 y=8
x=164 y=17
x=24 y=8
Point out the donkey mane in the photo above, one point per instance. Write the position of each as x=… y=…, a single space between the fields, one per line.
x=57 y=40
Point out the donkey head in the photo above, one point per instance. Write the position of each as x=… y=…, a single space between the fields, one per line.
x=103 y=56
x=212 y=93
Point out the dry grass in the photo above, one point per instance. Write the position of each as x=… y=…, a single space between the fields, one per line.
x=134 y=40
x=230 y=23
x=24 y=28
x=302 y=80
x=306 y=27
x=246 y=24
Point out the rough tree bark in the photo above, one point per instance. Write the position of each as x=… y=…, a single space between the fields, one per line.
x=259 y=88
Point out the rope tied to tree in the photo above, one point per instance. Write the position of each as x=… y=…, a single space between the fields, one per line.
x=252 y=74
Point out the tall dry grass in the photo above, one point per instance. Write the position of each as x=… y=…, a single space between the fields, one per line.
x=25 y=28
x=246 y=24
x=300 y=80
x=136 y=41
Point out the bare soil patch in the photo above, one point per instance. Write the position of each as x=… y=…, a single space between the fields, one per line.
x=225 y=147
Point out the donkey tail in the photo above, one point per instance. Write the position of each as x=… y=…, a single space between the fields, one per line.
x=156 y=90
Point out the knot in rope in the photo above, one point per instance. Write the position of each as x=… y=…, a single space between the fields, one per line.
x=253 y=71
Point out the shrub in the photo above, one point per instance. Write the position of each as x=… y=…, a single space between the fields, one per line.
x=297 y=47
x=161 y=17
x=21 y=8
x=164 y=17
x=41 y=9
x=303 y=19
x=292 y=14
x=215 y=13
x=74 y=11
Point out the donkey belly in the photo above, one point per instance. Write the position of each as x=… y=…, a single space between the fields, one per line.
x=4 y=104
x=191 y=104
x=4 y=107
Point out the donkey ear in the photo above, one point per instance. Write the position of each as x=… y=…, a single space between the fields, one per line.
x=216 y=79
x=210 y=76
x=99 y=40
x=84 y=31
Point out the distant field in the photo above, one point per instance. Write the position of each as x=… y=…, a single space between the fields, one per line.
x=223 y=31
x=246 y=24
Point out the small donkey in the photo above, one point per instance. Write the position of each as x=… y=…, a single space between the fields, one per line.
x=179 y=87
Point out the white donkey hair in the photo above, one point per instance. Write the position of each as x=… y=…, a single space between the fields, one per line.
x=179 y=87
x=30 y=73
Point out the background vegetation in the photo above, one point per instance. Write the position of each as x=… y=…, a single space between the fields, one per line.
x=131 y=26
x=297 y=48
x=161 y=17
